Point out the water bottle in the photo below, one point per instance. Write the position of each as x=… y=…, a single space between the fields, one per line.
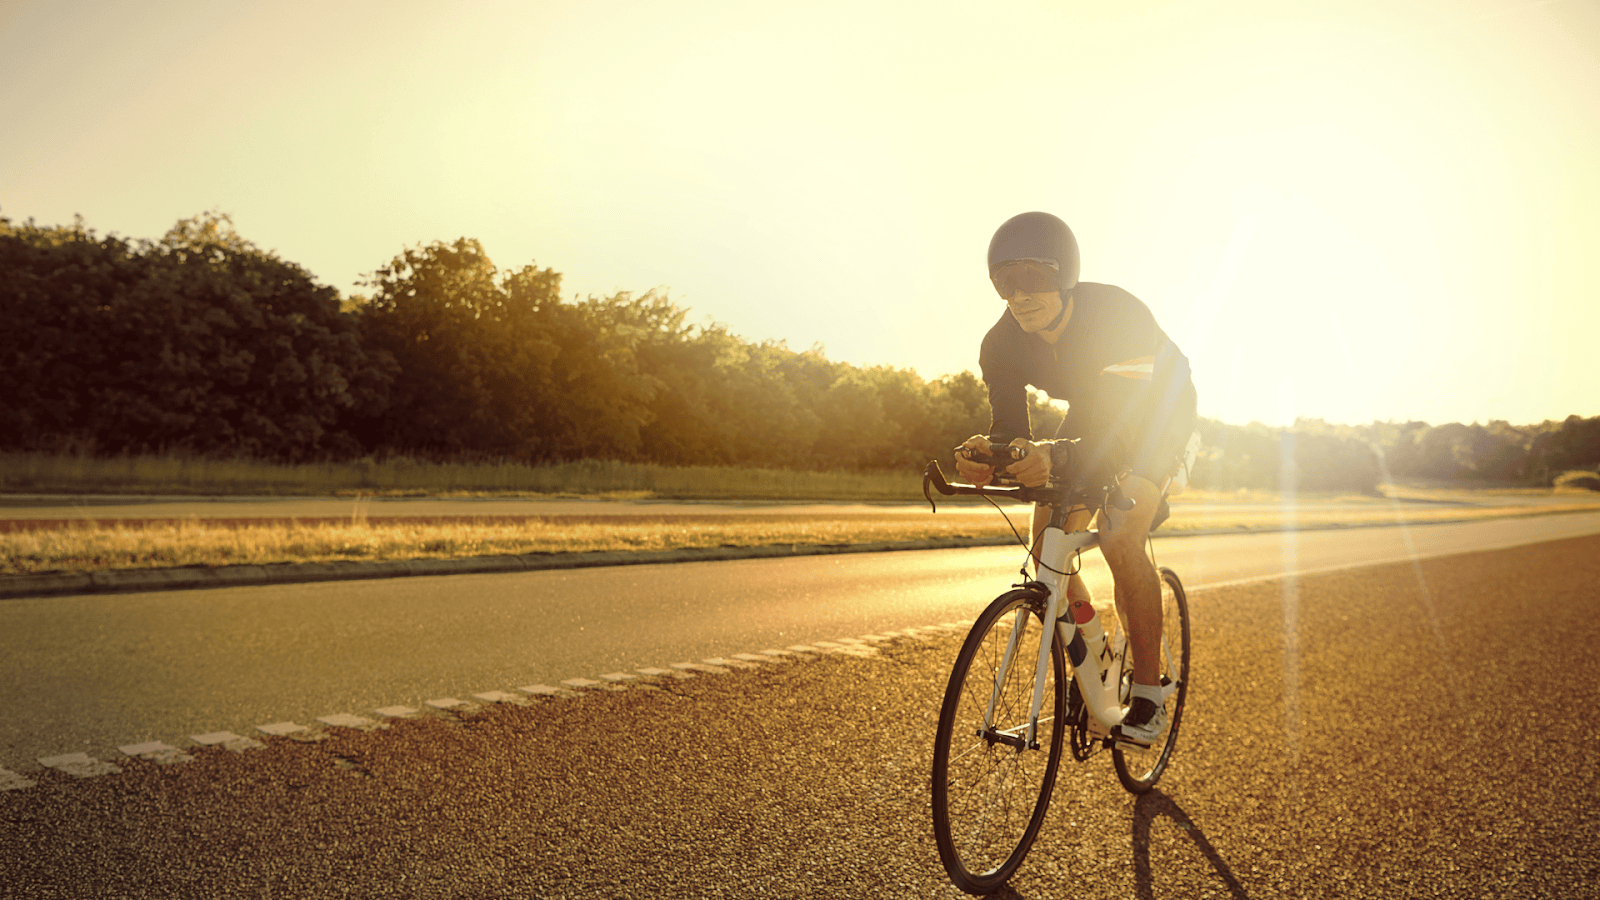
x=1090 y=641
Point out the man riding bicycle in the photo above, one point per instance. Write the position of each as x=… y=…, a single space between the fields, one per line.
x=1131 y=408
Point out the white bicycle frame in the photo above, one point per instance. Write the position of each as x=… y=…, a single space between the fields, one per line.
x=1100 y=695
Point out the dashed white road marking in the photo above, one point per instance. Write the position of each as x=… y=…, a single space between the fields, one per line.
x=499 y=697
x=11 y=781
x=702 y=667
x=346 y=720
x=156 y=752
x=725 y=663
x=279 y=729
x=859 y=650
x=83 y=766
x=228 y=740
x=79 y=765
x=294 y=732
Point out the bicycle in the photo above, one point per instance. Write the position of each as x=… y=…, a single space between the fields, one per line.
x=1009 y=710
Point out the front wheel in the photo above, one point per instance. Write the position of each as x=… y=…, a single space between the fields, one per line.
x=1139 y=770
x=991 y=788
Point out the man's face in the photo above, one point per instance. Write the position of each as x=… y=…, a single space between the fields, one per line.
x=1029 y=288
x=1033 y=311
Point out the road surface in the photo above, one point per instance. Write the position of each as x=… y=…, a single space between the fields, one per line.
x=93 y=673
x=1404 y=730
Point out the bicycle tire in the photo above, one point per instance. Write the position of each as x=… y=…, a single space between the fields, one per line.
x=990 y=797
x=1139 y=770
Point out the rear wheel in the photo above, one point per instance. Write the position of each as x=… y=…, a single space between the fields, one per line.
x=990 y=787
x=1139 y=770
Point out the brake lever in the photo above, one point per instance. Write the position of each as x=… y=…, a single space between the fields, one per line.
x=934 y=476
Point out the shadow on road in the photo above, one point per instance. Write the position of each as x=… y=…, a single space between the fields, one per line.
x=1145 y=811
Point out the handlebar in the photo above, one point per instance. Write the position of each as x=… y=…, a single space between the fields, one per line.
x=995 y=454
x=1091 y=492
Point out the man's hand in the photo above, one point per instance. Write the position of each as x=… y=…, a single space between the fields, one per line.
x=975 y=473
x=1032 y=470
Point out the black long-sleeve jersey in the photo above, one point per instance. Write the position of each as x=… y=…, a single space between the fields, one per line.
x=1118 y=372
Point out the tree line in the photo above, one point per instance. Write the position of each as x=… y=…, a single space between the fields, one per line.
x=203 y=343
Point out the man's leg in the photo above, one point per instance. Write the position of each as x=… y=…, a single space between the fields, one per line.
x=1138 y=587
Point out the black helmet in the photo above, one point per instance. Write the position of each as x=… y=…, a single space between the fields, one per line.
x=1037 y=235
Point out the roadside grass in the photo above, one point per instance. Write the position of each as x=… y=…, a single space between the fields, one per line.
x=81 y=547
x=195 y=476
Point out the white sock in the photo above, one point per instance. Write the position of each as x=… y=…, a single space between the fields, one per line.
x=1151 y=692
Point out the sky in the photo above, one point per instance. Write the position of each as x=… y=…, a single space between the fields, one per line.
x=1354 y=211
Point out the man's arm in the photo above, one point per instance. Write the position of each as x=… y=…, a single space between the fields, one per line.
x=998 y=360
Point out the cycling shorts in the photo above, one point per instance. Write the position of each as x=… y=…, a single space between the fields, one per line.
x=1152 y=451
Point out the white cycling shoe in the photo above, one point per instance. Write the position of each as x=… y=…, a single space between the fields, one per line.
x=1142 y=725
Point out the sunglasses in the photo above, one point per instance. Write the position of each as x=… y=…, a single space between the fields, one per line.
x=1027 y=276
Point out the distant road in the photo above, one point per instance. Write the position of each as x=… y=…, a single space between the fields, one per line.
x=115 y=506
x=94 y=672
x=109 y=507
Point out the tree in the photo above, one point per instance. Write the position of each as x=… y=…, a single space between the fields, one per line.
x=422 y=315
x=492 y=366
x=200 y=342
x=56 y=289
x=1234 y=457
x=1333 y=458
x=1573 y=445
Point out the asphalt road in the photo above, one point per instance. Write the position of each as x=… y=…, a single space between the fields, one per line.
x=94 y=673
x=1405 y=730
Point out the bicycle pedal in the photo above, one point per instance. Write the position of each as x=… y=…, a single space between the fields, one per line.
x=1128 y=743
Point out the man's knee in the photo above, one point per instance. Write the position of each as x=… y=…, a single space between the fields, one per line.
x=1123 y=545
x=1123 y=549
x=1124 y=541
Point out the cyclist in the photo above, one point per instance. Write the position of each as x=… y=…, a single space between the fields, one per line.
x=1131 y=408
